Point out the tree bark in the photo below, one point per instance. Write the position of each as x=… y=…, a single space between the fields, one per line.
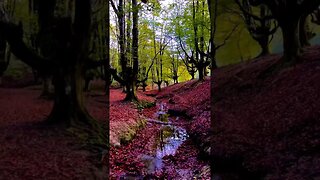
x=303 y=31
x=86 y=84
x=143 y=88
x=131 y=82
x=192 y=76
x=46 y=87
x=201 y=73
x=131 y=92
x=69 y=106
x=159 y=85
x=264 y=45
x=291 y=41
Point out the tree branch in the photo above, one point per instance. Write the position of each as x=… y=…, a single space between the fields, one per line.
x=227 y=38
x=116 y=76
x=114 y=7
x=252 y=15
x=13 y=34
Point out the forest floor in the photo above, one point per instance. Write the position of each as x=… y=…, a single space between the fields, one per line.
x=147 y=156
x=267 y=126
x=31 y=150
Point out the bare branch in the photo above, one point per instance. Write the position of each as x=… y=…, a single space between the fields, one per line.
x=250 y=14
x=13 y=35
x=114 y=7
x=227 y=38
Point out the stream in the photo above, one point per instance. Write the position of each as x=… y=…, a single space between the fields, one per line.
x=168 y=141
x=169 y=137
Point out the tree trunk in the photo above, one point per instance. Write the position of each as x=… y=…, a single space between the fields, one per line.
x=201 y=73
x=131 y=92
x=4 y=58
x=303 y=31
x=264 y=45
x=144 y=87
x=291 y=41
x=66 y=104
x=213 y=15
x=69 y=105
x=35 y=76
x=86 y=84
x=175 y=81
x=46 y=87
x=159 y=86
x=132 y=74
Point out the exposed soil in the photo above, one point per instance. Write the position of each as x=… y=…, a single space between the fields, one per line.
x=268 y=126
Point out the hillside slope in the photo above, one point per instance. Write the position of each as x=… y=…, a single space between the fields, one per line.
x=192 y=99
x=268 y=125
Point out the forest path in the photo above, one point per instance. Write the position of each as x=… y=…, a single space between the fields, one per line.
x=30 y=150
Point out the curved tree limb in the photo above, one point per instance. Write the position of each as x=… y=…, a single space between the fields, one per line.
x=14 y=36
x=251 y=14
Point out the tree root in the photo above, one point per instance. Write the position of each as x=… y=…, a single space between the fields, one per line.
x=80 y=124
x=278 y=66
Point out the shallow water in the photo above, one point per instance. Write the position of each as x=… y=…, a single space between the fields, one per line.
x=168 y=141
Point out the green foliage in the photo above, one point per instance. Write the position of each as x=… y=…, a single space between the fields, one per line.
x=164 y=117
x=144 y=104
x=130 y=133
x=17 y=69
x=239 y=47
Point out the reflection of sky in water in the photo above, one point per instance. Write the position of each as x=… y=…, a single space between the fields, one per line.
x=168 y=141
x=169 y=145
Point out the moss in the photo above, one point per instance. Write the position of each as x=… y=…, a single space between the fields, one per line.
x=17 y=69
x=94 y=136
x=131 y=132
x=140 y=105
x=164 y=117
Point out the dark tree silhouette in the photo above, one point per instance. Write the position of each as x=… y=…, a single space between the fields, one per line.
x=261 y=26
x=129 y=70
x=288 y=13
x=201 y=59
x=188 y=60
x=4 y=56
x=67 y=66
x=175 y=68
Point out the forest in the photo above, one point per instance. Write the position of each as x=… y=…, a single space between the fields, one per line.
x=159 y=89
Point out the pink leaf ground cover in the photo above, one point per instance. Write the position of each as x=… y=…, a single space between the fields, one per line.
x=31 y=150
x=270 y=122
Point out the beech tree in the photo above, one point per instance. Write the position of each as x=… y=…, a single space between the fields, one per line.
x=129 y=64
x=201 y=59
x=175 y=68
x=288 y=13
x=5 y=53
x=67 y=66
x=4 y=56
x=261 y=27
